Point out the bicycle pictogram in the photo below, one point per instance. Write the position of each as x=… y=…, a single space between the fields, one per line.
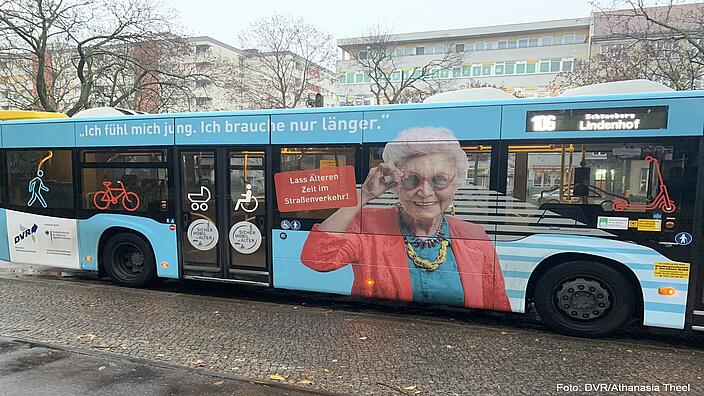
x=103 y=199
x=661 y=201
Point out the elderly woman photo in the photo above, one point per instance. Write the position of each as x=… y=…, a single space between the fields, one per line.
x=412 y=251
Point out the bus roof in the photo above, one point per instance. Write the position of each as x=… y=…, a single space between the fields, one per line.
x=7 y=115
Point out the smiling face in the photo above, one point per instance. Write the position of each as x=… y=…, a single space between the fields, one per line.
x=427 y=187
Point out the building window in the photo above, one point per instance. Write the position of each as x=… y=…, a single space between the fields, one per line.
x=499 y=69
x=396 y=76
x=509 y=68
x=359 y=78
x=362 y=54
x=342 y=79
x=547 y=40
x=459 y=47
x=476 y=70
x=523 y=42
x=467 y=71
x=444 y=73
x=555 y=65
x=569 y=38
x=511 y=44
x=530 y=68
x=457 y=72
x=533 y=42
x=567 y=64
x=486 y=70
x=479 y=46
x=520 y=68
x=367 y=78
x=503 y=44
x=202 y=49
x=557 y=40
x=440 y=49
x=544 y=65
x=203 y=101
x=420 y=50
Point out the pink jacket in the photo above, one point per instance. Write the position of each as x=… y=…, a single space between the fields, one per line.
x=380 y=265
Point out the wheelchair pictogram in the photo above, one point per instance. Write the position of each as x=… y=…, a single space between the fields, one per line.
x=246 y=202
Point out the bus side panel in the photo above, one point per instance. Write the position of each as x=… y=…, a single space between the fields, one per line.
x=4 y=243
x=161 y=237
x=520 y=258
x=291 y=273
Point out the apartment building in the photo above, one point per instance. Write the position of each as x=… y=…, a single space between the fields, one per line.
x=522 y=59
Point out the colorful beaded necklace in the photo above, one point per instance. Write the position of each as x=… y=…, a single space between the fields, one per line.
x=437 y=238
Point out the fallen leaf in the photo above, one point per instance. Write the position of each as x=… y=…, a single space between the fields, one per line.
x=305 y=382
x=198 y=362
x=101 y=368
x=277 y=377
x=362 y=338
x=412 y=387
x=504 y=332
x=88 y=337
x=328 y=371
x=334 y=360
x=218 y=383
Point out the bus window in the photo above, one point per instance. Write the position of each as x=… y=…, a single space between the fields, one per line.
x=298 y=196
x=40 y=180
x=585 y=181
x=471 y=202
x=131 y=181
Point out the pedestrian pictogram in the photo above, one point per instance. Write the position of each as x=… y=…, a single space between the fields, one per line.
x=36 y=186
x=683 y=238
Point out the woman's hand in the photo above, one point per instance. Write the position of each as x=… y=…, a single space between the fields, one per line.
x=380 y=179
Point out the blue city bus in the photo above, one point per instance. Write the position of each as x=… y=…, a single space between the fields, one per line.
x=588 y=208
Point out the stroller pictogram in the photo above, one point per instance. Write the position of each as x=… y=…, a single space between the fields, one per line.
x=199 y=201
x=661 y=201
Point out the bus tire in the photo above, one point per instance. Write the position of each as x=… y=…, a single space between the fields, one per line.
x=128 y=260
x=584 y=298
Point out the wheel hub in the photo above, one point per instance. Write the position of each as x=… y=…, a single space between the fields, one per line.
x=582 y=299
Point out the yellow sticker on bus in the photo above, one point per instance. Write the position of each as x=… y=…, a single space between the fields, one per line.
x=671 y=270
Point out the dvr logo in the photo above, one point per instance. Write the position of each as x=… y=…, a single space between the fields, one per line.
x=26 y=232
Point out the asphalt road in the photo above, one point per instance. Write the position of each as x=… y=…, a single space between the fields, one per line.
x=335 y=344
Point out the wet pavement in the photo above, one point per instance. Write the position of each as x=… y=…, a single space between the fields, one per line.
x=336 y=344
x=28 y=368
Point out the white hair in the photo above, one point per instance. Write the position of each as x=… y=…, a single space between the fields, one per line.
x=420 y=141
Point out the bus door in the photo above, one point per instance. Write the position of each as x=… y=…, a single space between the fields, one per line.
x=223 y=215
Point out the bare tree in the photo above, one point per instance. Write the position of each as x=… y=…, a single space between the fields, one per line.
x=68 y=55
x=661 y=41
x=286 y=61
x=391 y=79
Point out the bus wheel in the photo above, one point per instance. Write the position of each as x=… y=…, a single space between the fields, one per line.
x=128 y=260
x=583 y=298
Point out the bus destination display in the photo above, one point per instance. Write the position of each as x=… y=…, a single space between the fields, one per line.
x=607 y=119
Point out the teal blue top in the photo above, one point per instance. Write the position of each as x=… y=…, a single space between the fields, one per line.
x=442 y=286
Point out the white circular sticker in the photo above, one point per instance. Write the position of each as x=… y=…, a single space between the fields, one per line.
x=203 y=234
x=245 y=237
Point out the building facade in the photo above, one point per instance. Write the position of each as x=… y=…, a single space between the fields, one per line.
x=522 y=59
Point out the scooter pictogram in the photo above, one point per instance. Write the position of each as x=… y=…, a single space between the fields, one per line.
x=661 y=201
x=103 y=199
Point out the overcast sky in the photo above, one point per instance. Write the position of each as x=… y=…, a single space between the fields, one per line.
x=222 y=19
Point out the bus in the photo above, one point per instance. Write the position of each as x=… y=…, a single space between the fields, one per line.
x=588 y=208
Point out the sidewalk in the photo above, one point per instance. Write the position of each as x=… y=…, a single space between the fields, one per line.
x=33 y=369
